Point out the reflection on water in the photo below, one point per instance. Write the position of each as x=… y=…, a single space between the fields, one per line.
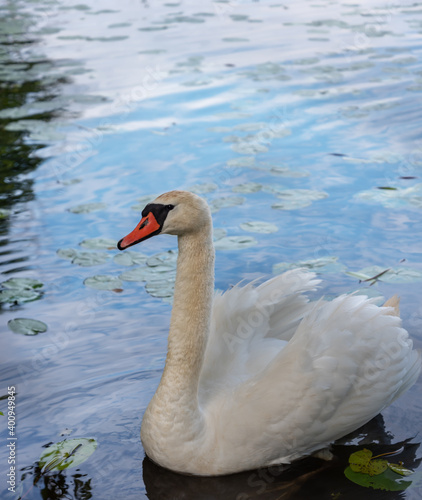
x=299 y=124
x=306 y=478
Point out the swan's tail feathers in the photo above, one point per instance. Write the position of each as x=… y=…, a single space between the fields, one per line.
x=394 y=303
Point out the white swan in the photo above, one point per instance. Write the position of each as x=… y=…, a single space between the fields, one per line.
x=259 y=376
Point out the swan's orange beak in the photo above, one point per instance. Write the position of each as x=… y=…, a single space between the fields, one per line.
x=145 y=229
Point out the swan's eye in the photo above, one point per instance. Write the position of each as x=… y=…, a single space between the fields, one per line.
x=169 y=207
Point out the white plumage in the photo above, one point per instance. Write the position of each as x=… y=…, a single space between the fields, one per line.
x=259 y=375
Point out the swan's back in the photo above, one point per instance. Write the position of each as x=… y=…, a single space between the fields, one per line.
x=306 y=373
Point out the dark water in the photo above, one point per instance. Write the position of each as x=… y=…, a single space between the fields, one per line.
x=296 y=115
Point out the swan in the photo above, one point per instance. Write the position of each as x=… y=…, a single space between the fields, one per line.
x=259 y=375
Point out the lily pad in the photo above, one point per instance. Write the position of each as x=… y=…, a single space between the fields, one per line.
x=70 y=182
x=19 y=296
x=66 y=454
x=27 y=326
x=387 y=481
x=98 y=243
x=293 y=199
x=206 y=187
x=87 y=259
x=81 y=258
x=362 y=461
x=234 y=242
x=143 y=201
x=161 y=288
x=145 y=273
x=286 y=172
x=225 y=202
x=259 y=227
x=4 y=213
x=249 y=147
x=167 y=260
x=22 y=284
x=244 y=161
x=20 y=290
x=130 y=258
x=103 y=282
x=251 y=127
x=67 y=253
x=388 y=275
x=86 y=208
x=394 y=198
x=135 y=274
x=321 y=265
x=218 y=233
x=400 y=469
x=247 y=188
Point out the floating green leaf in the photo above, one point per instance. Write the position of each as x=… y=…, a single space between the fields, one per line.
x=206 y=187
x=146 y=273
x=286 y=172
x=244 y=161
x=225 y=202
x=4 y=213
x=218 y=233
x=130 y=258
x=234 y=242
x=98 y=243
x=362 y=461
x=400 y=469
x=87 y=259
x=66 y=454
x=394 y=198
x=167 y=259
x=135 y=274
x=249 y=147
x=369 y=471
x=143 y=201
x=259 y=227
x=20 y=290
x=297 y=198
x=22 y=284
x=86 y=208
x=67 y=253
x=19 y=296
x=70 y=182
x=103 y=282
x=247 y=188
x=161 y=288
x=387 y=481
x=27 y=326
x=82 y=258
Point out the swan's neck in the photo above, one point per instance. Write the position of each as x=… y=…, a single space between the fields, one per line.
x=190 y=322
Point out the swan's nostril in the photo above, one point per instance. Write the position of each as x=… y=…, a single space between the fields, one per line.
x=143 y=224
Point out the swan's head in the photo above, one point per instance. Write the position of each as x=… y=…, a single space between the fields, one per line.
x=175 y=212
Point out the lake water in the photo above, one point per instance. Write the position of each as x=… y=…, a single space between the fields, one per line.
x=303 y=117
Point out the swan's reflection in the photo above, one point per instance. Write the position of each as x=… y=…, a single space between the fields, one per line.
x=310 y=478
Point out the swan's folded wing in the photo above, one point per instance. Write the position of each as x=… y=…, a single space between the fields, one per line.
x=249 y=327
x=347 y=361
